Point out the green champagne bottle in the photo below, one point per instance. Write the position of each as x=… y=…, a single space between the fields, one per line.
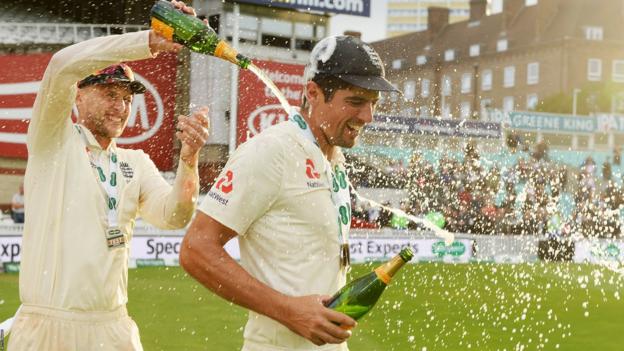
x=359 y=296
x=192 y=32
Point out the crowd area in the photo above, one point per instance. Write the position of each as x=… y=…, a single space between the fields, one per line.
x=475 y=194
x=534 y=195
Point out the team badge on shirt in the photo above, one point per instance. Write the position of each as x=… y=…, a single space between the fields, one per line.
x=312 y=175
x=311 y=170
x=224 y=185
x=126 y=170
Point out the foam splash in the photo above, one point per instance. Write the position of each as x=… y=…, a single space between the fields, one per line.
x=447 y=236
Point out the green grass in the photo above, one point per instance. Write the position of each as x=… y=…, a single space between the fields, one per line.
x=428 y=307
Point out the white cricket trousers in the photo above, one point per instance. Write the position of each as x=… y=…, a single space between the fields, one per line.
x=43 y=328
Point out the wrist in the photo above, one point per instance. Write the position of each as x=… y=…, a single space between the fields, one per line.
x=153 y=42
x=281 y=310
x=190 y=161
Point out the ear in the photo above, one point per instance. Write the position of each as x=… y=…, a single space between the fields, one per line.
x=313 y=92
x=78 y=95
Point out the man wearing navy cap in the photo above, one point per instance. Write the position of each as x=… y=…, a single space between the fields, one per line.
x=83 y=194
x=285 y=195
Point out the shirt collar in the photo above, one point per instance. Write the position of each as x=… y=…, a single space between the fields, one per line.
x=337 y=158
x=91 y=142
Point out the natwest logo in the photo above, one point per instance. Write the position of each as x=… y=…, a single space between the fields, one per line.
x=311 y=170
x=225 y=183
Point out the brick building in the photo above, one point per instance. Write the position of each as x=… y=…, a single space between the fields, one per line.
x=406 y=16
x=512 y=60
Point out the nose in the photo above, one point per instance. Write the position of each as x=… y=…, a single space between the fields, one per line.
x=119 y=105
x=366 y=112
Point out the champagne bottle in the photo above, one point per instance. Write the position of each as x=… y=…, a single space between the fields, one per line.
x=192 y=32
x=359 y=296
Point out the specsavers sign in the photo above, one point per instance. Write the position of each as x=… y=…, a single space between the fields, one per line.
x=166 y=249
x=347 y=7
x=425 y=250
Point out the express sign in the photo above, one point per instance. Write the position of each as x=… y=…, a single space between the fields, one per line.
x=150 y=126
x=258 y=108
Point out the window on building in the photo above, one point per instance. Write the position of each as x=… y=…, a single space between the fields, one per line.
x=320 y=31
x=421 y=59
x=485 y=105
x=533 y=73
x=594 y=69
x=424 y=87
x=593 y=33
x=409 y=90
x=446 y=110
x=530 y=2
x=486 y=80
x=509 y=77
x=304 y=30
x=508 y=104
x=424 y=112
x=396 y=64
x=276 y=41
x=446 y=85
x=304 y=44
x=466 y=83
x=618 y=71
x=276 y=26
x=407 y=27
x=531 y=102
x=464 y=110
x=496 y=6
x=449 y=55
x=214 y=22
x=407 y=12
x=474 y=50
x=501 y=45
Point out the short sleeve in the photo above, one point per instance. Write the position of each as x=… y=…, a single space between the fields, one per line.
x=249 y=184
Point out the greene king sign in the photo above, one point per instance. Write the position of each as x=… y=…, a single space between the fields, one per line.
x=347 y=7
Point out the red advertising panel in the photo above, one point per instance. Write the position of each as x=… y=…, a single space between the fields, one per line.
x=258 y=108
x=150 y=126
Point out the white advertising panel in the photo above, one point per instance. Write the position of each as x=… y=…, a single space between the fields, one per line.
x=598 y=251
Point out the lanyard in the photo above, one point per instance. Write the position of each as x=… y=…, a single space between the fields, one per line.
x=108 y=184
x=339 y=187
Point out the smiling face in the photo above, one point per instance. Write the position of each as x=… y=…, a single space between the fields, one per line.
x=339 y=120
x=104 y=109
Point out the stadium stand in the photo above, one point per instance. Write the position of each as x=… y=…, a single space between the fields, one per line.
x=38 y=26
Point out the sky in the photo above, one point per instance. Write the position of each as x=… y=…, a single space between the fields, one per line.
x=373 y=28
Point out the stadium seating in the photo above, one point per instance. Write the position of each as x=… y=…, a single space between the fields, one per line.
x=36 y=26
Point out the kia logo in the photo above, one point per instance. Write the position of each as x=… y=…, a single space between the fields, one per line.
x=264 y=117
x=143 y=123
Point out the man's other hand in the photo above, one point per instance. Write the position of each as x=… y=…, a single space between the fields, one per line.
x=308 y=317
x=193 y=132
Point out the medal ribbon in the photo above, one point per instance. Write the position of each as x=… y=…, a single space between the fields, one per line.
x=109 y=185
x=339 y=184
